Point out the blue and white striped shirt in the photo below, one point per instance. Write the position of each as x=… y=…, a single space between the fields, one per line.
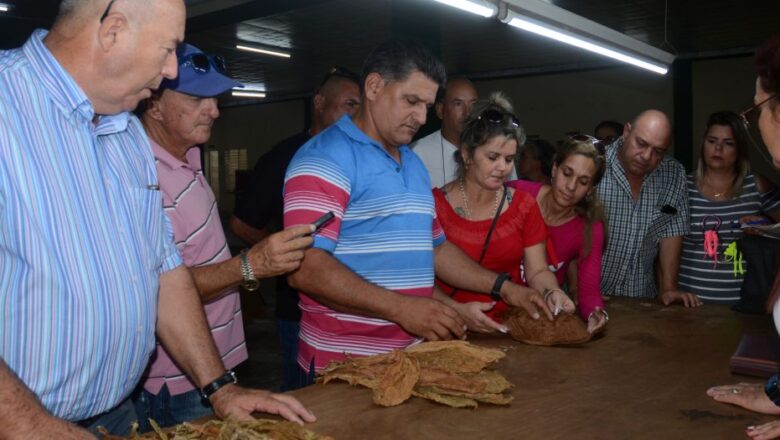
x=83 y=239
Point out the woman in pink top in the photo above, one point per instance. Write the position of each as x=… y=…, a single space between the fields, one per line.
x=575 y=221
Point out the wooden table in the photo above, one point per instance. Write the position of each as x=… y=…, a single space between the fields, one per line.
x=644 y=379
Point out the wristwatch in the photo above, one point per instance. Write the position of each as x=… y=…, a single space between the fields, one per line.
x=771 y=389
x=227 y=378
x=495 y=292
x=250 y=283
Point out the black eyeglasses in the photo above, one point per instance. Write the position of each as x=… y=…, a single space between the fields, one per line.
x=744 y=115
x=201 y=63
x=339 y=72
x=495 y=117
x=601 y=146
x=107 y=11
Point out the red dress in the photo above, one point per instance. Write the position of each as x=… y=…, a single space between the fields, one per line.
x=519 y=227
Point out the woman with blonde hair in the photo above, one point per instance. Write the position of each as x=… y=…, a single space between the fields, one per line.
x=498 y=227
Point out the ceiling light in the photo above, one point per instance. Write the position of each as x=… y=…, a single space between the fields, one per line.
x=248 y=93
x=275 y=53
x=561 y=25
x=479 y=7
x=5 y=7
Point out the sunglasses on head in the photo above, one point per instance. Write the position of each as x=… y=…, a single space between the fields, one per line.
x=201 y=63
x=495 y=117
x=600 y=145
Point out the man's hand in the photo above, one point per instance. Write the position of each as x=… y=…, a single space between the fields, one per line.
x=747 y=395
x=238 y=403
x=473 y=314
x=669 y=297
x=281 y=252
x=527 y=298
x=428 y=318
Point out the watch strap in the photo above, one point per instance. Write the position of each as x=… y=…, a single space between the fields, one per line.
x=227 y=378
x=495 y=292
x=246 y=268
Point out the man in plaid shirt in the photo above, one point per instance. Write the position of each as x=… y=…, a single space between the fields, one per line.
x=645 y=199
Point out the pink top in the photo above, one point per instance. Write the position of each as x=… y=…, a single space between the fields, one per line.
x=192 y=209
x=569 y=243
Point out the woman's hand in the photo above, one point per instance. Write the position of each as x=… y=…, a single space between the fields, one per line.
x=747 y=395
x=473 y=314
x=767 y=431
x=597 y=320
x=558 y=301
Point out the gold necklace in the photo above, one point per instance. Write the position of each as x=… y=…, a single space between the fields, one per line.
x=466 y=209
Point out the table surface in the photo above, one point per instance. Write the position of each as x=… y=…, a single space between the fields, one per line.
x=645 y=378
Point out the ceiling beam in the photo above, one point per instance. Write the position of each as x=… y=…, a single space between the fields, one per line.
x=235 y=11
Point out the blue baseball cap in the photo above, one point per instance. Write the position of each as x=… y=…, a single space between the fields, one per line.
x=200 y=75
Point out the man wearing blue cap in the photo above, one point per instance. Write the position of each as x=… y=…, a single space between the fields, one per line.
x=178 y=117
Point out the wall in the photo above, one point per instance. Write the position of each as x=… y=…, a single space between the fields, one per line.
x=552 y=105
x=548 y=105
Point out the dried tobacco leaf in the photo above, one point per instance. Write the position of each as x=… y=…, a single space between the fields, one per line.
x=259 y=429
x=565 y=329
x=431 y=393
x=451 y=373
x=396 y=385
x=454 y=356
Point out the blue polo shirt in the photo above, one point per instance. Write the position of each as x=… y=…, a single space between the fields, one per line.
x=385 y=231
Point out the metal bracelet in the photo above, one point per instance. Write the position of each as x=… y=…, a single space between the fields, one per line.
x=593 y=313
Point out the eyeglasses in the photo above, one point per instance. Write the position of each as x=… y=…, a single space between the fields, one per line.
x=601 y=146
x=495 y=117
x=201 y=63
x=744 y=115
x=339 y=72
x=107 y=11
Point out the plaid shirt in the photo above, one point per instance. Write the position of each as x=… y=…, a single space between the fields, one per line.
x=635 y=229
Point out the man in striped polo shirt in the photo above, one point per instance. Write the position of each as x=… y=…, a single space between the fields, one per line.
x=88 y=270
x=178 y=117
x=367 y=284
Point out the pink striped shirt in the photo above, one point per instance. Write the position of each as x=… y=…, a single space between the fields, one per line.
x=192 y=209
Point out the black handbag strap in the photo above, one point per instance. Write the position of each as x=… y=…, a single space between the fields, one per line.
x=489 y=233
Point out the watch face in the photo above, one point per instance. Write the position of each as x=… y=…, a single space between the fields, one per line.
x=251 y=285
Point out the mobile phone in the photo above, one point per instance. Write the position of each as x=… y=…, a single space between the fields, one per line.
x=322 y=221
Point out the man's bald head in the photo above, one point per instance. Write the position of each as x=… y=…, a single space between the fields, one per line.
x=645 y=142
x=118 y=51
x=457 y=99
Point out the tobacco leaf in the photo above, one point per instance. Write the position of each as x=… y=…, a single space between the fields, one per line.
x=565 y=329
x=454 y=356
x=258 y=429
x=396 y=385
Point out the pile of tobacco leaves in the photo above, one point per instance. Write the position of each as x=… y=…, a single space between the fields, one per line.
x=452 y=373
x=260 y=429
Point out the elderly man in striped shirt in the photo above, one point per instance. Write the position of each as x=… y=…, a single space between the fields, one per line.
x=178 y=117
x=88 y=270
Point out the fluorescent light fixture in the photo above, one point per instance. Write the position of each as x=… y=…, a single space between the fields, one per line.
x=4 y=7
x=563 y=26
x=275 y=53
x=479 y=7
x=239 y=93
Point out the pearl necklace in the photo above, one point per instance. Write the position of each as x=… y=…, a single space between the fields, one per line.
x=466 y=209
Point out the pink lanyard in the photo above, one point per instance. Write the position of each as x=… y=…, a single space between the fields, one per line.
x=711 y=239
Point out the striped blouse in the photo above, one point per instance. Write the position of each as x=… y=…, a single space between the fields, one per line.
x=83 y=239
x=716 y=281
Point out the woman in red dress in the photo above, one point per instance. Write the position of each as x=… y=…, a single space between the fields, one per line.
x=496 y=226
